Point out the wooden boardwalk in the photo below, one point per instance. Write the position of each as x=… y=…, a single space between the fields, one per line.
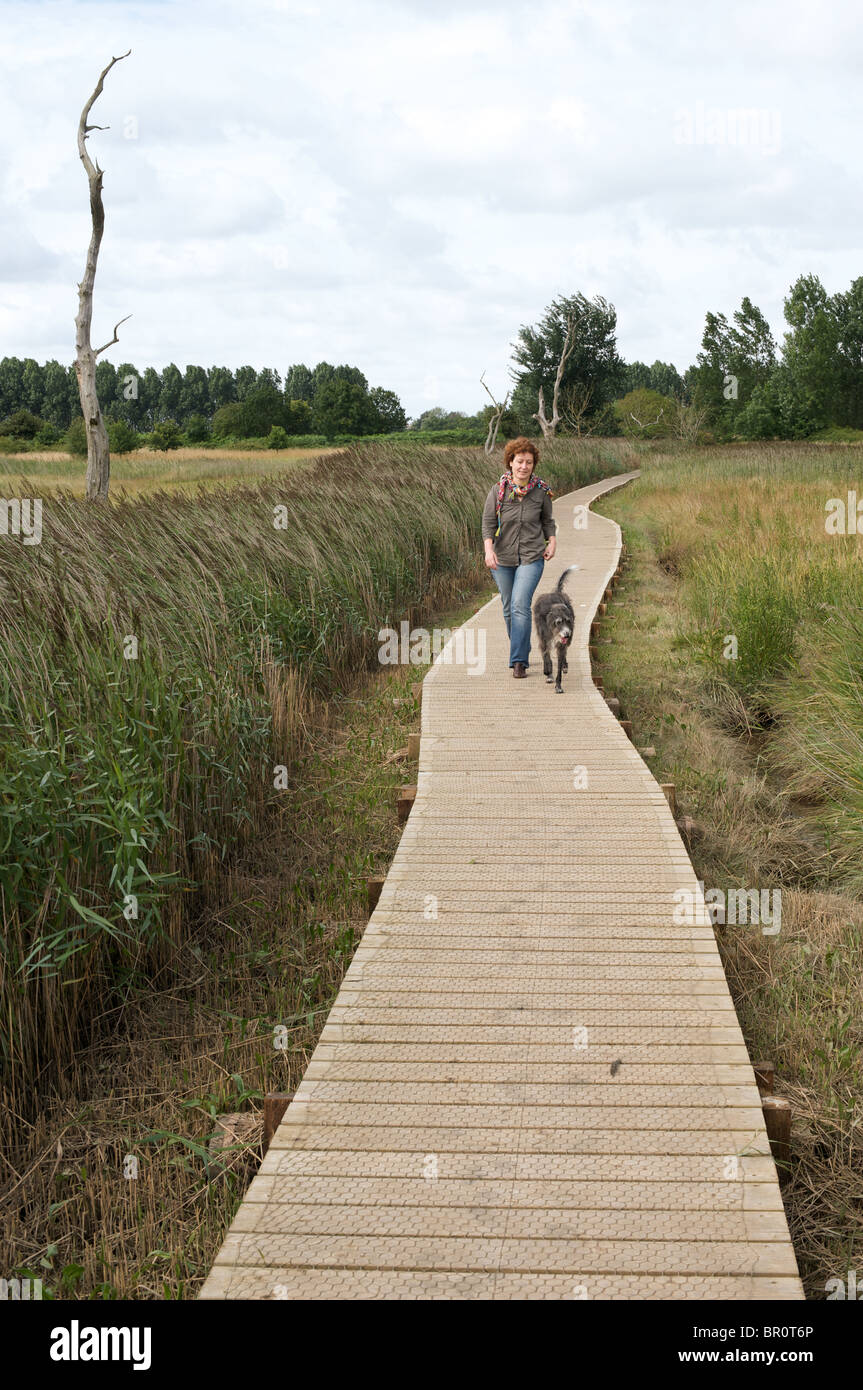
x=462 y=1130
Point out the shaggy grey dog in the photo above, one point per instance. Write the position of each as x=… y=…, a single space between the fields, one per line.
x=555 y=624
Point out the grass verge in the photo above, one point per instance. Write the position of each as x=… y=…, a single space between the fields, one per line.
x=733 y=544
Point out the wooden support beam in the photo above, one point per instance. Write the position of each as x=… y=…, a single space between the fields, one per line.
x=670 y=795
x=405 y=802
x=275 y=1105
x=765 y=1076
x=777 y=1121
x=613 y=704
x=593 y=654
x=597 y=680
x=413 y=745
x=373 y=889
x=594 y=630
x=602 y=609
x=626 y=726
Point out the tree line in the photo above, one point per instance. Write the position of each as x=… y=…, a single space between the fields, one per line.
x=202 y=401
x=741 y=385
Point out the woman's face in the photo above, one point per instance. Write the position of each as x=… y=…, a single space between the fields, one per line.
x=522 y=467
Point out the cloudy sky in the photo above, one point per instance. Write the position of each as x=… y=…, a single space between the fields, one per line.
x=401 y=184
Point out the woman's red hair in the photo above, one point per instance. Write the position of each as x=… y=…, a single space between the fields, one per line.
x=522 y=445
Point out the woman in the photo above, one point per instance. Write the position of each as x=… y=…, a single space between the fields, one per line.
x=518 y=532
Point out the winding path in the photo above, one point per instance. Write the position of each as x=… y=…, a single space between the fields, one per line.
x=532 y=1083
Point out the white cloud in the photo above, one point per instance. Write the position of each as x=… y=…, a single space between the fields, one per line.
x=402 y=183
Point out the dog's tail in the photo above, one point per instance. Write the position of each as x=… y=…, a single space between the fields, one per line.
x=562 y=580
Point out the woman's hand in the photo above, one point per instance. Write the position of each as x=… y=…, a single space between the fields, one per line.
x=550 y=548
x=490 y=557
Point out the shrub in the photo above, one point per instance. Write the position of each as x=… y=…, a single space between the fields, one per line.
x=645 y=414
x=197 y=429
x=75 y=438
x=47 y=436
x=166 y=435
x=22 y=424
x=122 y=439
x=278 y=438
x=227 y=421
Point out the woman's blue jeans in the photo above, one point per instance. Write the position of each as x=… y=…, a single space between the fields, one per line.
x=517 y=584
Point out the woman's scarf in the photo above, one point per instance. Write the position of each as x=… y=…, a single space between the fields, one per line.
x=516 y=490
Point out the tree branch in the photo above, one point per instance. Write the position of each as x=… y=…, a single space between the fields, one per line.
x=115 y=339
x=84 y=128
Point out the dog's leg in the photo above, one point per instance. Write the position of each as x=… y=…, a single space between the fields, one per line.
x=546 y=659
x=561 y=650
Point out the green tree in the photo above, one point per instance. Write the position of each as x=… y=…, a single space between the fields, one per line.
x=167 y=435
x=593 y=362
x=55 y=401
x=323 y=372
x=106 y=386
x=645 y=414
x=221 y=387
x=735 y=358
x=262 y=408
x=246 y=379
x=434 y=418
x=11 y=372
x=352 y=375
x=666 y=379
x=171 y=393
x=810 y=356
x=228 y=421
x=149 y=395
x=342 y=407
x=278 y=438
x=121 y=437
x=299 y=418
x=75 y=438
x=195 y=395
x=197 y=429
x=21 y=424
x=129 y=404
x=268 y=376
x=388 y=411
x=32 y=386
x=848 y=396
x=299 y=383
x=634 y=375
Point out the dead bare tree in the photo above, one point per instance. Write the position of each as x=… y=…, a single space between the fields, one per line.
x=549 y=427
x=574 y=406
x=650 y=423
x=689 y=421
x=494 y=421
x=98 y=453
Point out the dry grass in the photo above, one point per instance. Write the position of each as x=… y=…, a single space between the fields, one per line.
x=143 y=471
x=798 y=994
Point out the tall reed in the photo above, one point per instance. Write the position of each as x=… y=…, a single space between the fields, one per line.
x=153 y=661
